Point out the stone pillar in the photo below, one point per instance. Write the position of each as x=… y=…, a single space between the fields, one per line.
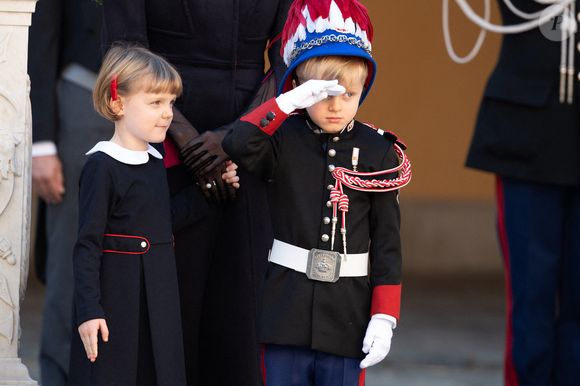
x=15 y=182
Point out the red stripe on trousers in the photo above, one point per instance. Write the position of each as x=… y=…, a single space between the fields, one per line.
x=361 y=377
x=263 y=364
x=510 y=376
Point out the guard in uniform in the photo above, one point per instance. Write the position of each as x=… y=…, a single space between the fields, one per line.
x=331 y=192
x=528 y=134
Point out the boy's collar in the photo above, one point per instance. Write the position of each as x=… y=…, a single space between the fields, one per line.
x=317 y=130
x=126 y=156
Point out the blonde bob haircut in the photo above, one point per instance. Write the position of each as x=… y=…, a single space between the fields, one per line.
x=135 y=69
x=347 y=69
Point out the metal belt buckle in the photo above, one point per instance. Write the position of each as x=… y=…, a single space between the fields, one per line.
x=323 y=265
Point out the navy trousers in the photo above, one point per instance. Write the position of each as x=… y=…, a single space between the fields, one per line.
x=300 y=366
x=539 y=230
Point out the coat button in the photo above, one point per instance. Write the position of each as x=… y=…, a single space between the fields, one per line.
x=326 y=220
x=335 y=139
x=324 y=237
x=578 y=16
x=331 y=153
x=264 y=122
x=578 y=46
x=331 y=168
x=143 y=244
x=330 y=187
x=578 y=76
x=328 y=204
x=270 y=116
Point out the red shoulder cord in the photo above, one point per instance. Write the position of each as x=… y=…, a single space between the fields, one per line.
x=352 y=179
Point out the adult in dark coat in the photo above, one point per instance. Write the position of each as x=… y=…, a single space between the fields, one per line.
x=64 y=55
x=218 y=48
x=531 y=141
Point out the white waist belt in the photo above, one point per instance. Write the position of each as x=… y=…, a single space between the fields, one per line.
x=79 y=75
x=296 y=258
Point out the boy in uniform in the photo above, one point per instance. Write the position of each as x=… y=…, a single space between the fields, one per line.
x=332 y=289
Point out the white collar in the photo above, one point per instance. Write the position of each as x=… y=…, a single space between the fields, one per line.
x=121 y=154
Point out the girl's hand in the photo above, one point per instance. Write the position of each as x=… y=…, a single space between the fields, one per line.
x=88 y=332
x=231 y=176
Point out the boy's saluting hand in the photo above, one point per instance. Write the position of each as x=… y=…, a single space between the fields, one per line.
x=88 y=331
x=308 y=94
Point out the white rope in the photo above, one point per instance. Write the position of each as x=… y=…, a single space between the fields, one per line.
x=447 y=35
x=571 y=29
x=555 y=8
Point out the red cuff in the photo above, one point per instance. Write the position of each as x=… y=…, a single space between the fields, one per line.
x=386 y=300
x=267 y=117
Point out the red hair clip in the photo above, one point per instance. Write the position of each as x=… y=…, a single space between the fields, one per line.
x=114 y=88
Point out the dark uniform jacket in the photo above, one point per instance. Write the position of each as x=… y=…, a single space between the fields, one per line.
x=329 y=317
x=522 y=130
x=125 y=273
x=62 y=32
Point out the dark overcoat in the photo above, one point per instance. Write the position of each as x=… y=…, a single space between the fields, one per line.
x=218 y=48
x=522 y=130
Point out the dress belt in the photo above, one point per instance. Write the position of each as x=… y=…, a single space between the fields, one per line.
x=296 y=258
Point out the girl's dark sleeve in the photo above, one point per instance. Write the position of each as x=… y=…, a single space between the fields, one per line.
x=254 y=142
x=124 y=20
x=385 y=250
x=95 y=203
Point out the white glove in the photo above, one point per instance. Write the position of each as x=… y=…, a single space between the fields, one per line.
x=377 y=341
x=308 y=94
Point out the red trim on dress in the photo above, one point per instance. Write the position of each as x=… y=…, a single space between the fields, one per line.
x=510 y=376
x=256 y=116
x=171 y=154
x=128 y=237
x=386 y=299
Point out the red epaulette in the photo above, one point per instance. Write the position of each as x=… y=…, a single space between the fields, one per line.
x=388 y=135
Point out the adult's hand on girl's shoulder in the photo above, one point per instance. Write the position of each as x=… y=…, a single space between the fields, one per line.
x=89 y=336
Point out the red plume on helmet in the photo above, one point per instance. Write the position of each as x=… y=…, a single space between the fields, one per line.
x=323 y=28
x=321 y=9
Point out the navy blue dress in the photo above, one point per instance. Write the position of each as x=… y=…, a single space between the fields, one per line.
x=124 y=269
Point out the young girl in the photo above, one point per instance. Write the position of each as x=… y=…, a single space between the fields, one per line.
x=124 y=267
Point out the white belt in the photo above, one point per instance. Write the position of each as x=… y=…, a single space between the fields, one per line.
x=296 y=258
x=79 y=75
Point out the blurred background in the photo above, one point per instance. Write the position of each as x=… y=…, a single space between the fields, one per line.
x=452 y=319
